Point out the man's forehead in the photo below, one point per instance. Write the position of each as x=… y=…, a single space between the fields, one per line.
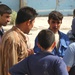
x=6 y=14
x=55 y=20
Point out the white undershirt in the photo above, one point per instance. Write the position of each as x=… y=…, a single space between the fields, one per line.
x=57 y=40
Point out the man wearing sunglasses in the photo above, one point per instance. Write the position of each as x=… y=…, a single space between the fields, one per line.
x=62 y=40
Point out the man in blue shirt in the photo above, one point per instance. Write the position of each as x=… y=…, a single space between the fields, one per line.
x=62 y=40
x=44 y=62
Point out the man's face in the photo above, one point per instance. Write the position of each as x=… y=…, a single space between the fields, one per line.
x=4 y=19
x=54 y=25
x=31 y=24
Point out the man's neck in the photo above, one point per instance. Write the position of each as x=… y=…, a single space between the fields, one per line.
x=1 y=28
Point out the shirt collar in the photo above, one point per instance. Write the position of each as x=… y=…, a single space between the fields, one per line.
x=62 y=40
x=2 y=30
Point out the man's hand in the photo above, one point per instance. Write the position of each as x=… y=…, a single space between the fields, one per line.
x=30 y=52
x=9 y=73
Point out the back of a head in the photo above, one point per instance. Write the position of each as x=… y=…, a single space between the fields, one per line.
x=5 y=9
x=46 y=38
x=55 y=15
x=73 y=26
x=25 y=13
x=73 y=13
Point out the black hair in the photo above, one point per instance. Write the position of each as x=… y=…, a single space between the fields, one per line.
x=5 y=9
x=73 y=13
x=46 y=38
x=55 y=15
x=24 y=14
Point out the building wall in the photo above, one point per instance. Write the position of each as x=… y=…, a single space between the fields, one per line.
x=43 y=7
x=13 y=4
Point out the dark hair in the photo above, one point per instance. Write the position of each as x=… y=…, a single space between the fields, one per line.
x=73 y=13
x=55 y=15
x=5 y=9
x=73 y=26
x=46 y=38
x=24 y=14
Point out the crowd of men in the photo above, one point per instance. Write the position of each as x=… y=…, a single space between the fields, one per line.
x=53 y=52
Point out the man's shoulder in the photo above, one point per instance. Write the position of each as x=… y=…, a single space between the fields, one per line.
x=72 y=45
x=62 y=34
x=10 y=35
x=71 y=49
x=69 y=32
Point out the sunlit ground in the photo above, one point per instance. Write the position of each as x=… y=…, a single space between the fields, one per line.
x=41 y=23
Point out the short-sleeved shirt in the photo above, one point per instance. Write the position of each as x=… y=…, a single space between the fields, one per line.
x=69 y=57
x=42 y=63
x=63 y=44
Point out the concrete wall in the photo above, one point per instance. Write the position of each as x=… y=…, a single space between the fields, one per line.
x=43 y=7
x=13 y=4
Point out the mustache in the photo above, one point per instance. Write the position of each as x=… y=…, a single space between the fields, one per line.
x=55 y=27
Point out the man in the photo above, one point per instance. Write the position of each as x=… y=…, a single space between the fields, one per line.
x=71 y=33
x=62 y=40
x=74 y=13
x=69 y=58
x=5 y=13
x=14 y=41
x=44 y=62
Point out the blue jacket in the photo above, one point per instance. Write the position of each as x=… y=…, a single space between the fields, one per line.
x=64 y=42
x=1 y=32
x=42 y=63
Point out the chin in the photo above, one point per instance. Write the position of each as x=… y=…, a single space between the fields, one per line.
x=26 y=32
x=5 y=25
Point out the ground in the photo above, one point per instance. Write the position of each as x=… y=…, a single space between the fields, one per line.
x=41 y=23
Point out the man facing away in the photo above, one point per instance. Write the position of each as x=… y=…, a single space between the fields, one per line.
x=73 y=13
x=44 y=62
x=62 y=40
x=14 y=42
x=5 y=13
x=71 y=33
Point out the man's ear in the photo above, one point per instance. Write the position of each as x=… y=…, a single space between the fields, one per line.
x=28 y=22
x=48 y=21
x=38 y=45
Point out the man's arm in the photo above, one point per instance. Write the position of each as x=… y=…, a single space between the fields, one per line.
x=69 y=56
x=68 y=68
x=61 y=67
x=9 y=55
x=9 y=73
x=19 y=69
